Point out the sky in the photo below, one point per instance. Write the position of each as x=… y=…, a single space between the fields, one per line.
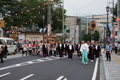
x=86 y=7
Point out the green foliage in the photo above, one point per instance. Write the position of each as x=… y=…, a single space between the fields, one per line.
x=115 y=13
x=87 y=37
x=11 y=7
x=96 y=35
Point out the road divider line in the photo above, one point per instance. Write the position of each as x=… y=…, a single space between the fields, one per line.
x=95 y=70
x=118 y=62
x=27 y=77
x=5 y=74
x=60 y=78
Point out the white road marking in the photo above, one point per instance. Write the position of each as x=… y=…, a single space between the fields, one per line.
x=18 y=65
x=95 y=70
x=60 y=78
x=27 y=77
x=5 y=74
x=27 y=63
x=65 y=79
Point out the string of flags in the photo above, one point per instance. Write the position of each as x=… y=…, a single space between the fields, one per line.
x=16 y=14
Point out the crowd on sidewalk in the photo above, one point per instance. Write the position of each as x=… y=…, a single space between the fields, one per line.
x=86 y=51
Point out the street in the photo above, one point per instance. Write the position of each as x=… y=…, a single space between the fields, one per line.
x=50 y=68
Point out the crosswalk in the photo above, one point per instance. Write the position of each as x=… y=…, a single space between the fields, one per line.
x=30 y=62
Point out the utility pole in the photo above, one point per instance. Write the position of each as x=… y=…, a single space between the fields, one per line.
x=63 y=17
x=113 y=19
x=118 y=28
x=49 y=16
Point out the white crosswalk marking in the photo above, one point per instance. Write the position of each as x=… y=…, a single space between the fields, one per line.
x=27 y=77
x=60 y=78
x=5 y=74
x=30 y=62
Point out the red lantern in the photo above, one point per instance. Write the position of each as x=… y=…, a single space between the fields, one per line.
x=43 y=8
x=21 y=12
x=16 y=14
x=3 y=16
x=33 y=8
x=39 y=6
x=25 y=23
x=31 y=20
x=9 y=15
x=46 y=3
x=27 y=10
x=34 y=16
x=39 y=12
x=15 y=27
x=21 y=25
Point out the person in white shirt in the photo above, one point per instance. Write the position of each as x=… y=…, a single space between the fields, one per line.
x=25 y=48
x=84 y=50
x=30 y=47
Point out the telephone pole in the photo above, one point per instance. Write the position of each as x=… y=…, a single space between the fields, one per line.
x=49 y=16
x=118 y=28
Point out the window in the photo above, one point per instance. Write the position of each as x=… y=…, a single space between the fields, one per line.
x=1 y=41
x=10 y=42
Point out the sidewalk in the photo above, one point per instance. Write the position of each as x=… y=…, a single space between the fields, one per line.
x=111 y=68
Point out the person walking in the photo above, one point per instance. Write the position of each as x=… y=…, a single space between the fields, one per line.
x=84 y=50
x=70 y=51
x=1 y=55
x=25 y=48
x=5 y=48
x=30 y=48
x=97 y=50
x=60 y=49
x=78 y=49
x=108 y=51
x=116 y=47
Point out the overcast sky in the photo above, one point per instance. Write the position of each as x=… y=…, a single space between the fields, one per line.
x=86 y=7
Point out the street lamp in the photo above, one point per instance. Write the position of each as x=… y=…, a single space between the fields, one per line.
x=43 y=17
x=107 y=9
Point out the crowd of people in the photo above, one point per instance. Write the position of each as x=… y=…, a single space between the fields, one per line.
x=85 y=51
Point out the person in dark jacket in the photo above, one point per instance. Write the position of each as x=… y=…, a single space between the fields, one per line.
x=1 y=55
x=78 y=49
x=97 y=50
x=5 y=50
x=60 y=49
x=70 y=51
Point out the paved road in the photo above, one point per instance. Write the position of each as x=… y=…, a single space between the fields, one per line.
x=51 y=68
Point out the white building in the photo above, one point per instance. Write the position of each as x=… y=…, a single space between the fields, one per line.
x=101 y=21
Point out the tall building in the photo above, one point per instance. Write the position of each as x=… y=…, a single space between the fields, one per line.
x=78 y=27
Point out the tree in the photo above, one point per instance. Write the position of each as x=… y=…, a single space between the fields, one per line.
x=28 y=12
x=96 y=35
x=87 y=37
x=115 y=13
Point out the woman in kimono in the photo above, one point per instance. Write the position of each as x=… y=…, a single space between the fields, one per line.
x=84 y=50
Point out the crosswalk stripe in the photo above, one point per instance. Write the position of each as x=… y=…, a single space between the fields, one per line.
x=27 y=77
x=28 y=63
x=60 y=78
x=5 y=74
